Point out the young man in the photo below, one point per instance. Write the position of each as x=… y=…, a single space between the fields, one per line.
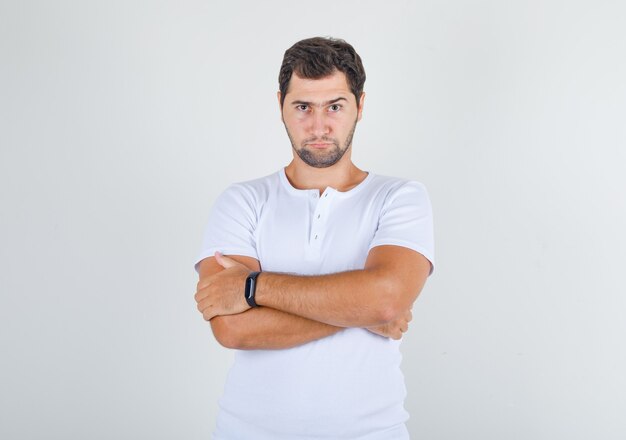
x=311 y=272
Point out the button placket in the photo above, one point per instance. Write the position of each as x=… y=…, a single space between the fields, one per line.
x=319 y=219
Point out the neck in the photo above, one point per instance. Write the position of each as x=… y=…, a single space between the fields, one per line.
x=343 y=176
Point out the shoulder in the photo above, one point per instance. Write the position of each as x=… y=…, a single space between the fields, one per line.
x=253 y=191
x=393 y=187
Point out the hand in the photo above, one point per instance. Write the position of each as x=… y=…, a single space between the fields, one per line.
x=395 y=328
x=223 y=292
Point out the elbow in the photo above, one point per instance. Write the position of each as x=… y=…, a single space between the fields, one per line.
x=387 y=313
x=382 y=315
x=225 y=333
x=395 y=301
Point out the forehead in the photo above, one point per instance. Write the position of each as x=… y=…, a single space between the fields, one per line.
x=329 y=87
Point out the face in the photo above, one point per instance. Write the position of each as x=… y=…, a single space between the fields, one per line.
x=320 y=116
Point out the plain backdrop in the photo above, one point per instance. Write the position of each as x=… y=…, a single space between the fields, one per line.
x=121 y=121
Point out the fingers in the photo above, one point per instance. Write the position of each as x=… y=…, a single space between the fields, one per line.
x=203 y=283
x=224 y=261
x=396 y=328
x=201 y=294
x=402 y=325
x=220 y=293
x=207 y=309
x=204 y=303
x=208 y=314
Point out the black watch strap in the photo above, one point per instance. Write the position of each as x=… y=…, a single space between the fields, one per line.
x=251 y=289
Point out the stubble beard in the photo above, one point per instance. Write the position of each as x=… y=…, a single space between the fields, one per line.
x=322 y=158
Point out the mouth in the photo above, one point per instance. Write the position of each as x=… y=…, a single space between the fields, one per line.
x=320 y=145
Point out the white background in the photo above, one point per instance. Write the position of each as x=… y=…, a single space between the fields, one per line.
x=121 y=121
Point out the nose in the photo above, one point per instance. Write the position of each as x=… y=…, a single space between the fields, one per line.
x=320 y=126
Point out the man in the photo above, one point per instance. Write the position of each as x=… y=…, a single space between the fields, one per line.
x=311 y=272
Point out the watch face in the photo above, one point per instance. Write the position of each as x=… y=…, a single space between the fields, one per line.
x=248 y=287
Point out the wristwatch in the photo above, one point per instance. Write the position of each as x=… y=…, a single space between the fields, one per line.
x=251 y=289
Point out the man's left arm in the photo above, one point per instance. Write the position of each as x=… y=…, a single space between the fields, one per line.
x=384 y=289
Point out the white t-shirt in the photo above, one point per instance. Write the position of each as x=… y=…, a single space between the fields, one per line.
x=348 y=385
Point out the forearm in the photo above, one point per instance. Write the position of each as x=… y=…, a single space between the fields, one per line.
x=388 y=285
x=265 y=328
x=360 y=298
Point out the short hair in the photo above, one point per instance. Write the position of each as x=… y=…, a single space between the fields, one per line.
x=319 y=57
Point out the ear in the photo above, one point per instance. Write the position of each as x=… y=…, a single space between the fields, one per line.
x=280 y=106
x=361 y=101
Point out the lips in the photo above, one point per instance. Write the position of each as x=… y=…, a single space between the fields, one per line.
x=320 y=144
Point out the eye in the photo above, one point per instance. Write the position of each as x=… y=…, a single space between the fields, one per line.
x=302 y=107
x=334 y=107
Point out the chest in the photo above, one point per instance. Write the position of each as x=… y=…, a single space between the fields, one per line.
x=316 y=235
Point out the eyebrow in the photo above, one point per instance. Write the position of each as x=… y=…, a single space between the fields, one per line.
x=332 y=101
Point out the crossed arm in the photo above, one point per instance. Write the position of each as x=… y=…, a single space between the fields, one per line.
x=298 y=309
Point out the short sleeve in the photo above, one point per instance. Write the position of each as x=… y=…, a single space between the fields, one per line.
x=231 y=225
x=406 y=220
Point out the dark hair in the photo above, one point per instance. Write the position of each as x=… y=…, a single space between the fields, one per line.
x=318 y=57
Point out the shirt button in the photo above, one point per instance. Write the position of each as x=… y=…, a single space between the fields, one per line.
x=326 y=195
x=318 y=215
x=316 y=237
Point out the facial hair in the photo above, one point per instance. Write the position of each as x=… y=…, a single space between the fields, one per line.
x=322 y=158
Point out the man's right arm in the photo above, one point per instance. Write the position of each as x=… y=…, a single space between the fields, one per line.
x=263 y=327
